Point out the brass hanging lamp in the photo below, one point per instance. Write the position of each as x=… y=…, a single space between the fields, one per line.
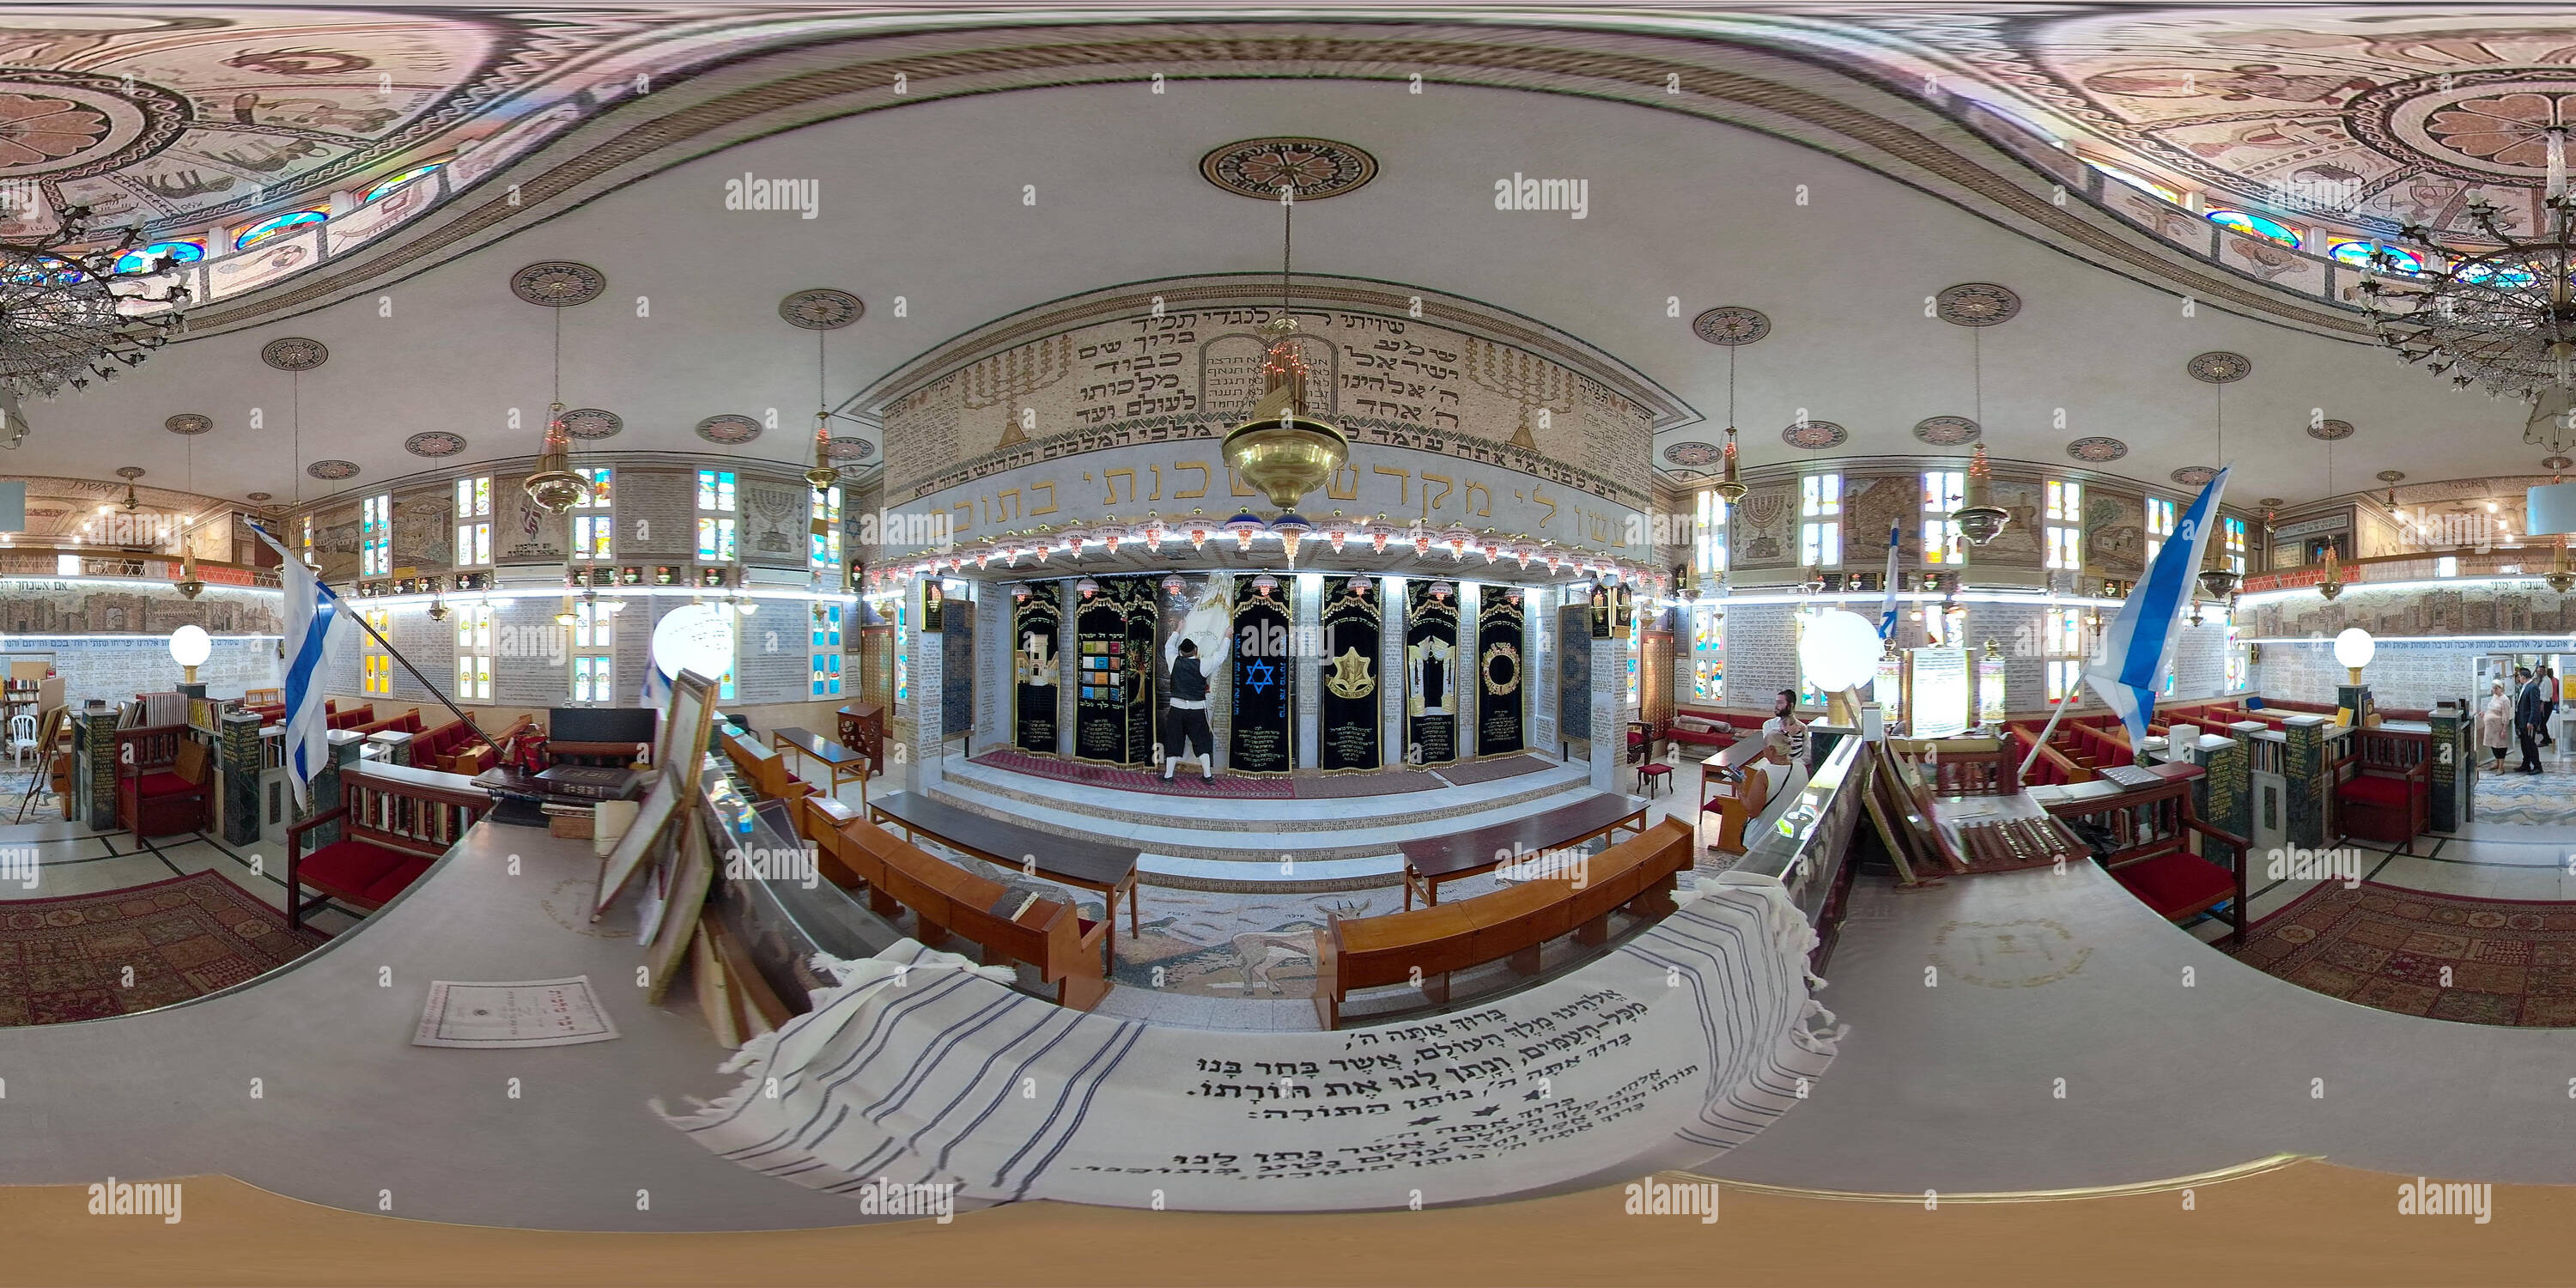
x=1283 y=449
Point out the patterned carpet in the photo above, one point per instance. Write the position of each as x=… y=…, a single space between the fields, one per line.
x=2450 y=957
x=65 y=959
x=2547 y=798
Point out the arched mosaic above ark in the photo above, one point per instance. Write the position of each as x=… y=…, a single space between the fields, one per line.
x=333 y=469
x=434 y=443
x=2194 y=475
x=1976 y=304
x=2331 y=431
x=558 y=284
x=1948 y=431
x=591 y=422
x=1313 y=168
x=1731 y=325
x=729 y=430
x=295 y=353
x=1694 y=456
x=2097 y=450
x=2392 y=476
x=189 y=422
x=821 y=309
x=1815 y=435
x=849 y=449
x=2219 y=367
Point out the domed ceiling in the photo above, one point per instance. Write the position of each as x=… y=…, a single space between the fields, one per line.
x=2380 y=115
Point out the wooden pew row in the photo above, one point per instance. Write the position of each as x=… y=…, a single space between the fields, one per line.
x=1511 y=924
x=1068 y=952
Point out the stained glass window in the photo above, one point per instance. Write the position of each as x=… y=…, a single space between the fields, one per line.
x=2392 y=259
x=391 y=182
x=141 y=258
x=2254 y=225
x=278 y=226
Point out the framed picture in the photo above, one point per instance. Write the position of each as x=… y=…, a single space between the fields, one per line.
x=674 y=789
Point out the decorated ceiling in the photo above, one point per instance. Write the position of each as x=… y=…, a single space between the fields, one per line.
x=2354 y=115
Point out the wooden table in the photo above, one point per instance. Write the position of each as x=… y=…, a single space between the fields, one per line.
x=1433 y=860
x=839 y=762
x=1099 y=866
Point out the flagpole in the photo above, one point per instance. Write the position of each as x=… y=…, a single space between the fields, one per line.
x=2045 y=730
x=389 y=648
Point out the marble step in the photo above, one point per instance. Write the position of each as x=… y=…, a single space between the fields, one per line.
x=1236 y=814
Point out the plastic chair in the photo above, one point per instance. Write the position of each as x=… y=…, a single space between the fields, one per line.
x=22 y=739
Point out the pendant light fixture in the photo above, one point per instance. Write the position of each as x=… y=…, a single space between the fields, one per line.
x=1980 y=520
x=554 y=487
x=2218 y=575
x=1730 y=486
x=1283 y=449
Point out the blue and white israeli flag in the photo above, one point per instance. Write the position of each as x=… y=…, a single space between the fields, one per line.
x=2128 y=669
x=321 y=639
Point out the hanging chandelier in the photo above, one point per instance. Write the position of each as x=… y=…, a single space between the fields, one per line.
x=1283 y=449
x=77 y=305
x=2503 y=314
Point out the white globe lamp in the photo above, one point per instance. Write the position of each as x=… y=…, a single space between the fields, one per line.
x=190 y=647
x=2353 y=650
x=1838 y=652
x=694 y=637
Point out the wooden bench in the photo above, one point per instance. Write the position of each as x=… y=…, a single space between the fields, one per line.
x=765 y=769
x=1424 y=944
x=1109 y=870
x=396 y=821
x=1434 y=860
x=1068 y=952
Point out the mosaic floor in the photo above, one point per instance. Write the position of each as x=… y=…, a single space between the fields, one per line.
x=2545 y=799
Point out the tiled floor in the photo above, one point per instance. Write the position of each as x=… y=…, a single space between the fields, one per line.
x=75 y=860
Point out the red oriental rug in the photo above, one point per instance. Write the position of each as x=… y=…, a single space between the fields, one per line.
x=66 y=958
x=2446 y=956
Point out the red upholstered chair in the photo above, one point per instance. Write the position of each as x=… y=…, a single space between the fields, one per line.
x=163 y=779
x=2383 y=801
x=392 y=830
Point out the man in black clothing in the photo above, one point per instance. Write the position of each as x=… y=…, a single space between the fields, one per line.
x=2529 y=711
x=1185 y=725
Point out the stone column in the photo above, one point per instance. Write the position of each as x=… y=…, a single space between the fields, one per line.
x=2308 y=779
x=1538 y=670
x=2453 y=730
x=1609 y=712
x=1068 y=667
x=1390 y=670
x=929 y=658
x=94 y=766
x=325 y=788
x=996 y=637
x=238 y=753
x=1310 y=668
x=1469 y=671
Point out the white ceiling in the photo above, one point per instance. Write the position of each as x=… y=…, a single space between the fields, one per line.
x=926 y=202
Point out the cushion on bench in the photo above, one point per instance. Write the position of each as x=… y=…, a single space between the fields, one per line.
x=398 y=879
x=2177 y=884
x=165 y=783
x=2373 y=789
x=353 y=869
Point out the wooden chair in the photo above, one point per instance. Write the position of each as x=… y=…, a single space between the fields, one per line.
x=163 y=779
x=2383 y=790
x=2152 y=831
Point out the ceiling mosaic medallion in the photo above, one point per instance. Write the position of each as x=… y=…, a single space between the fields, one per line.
x=129 y=472
x=70 y=125
x=2556 y=463
x=2330 y=430
x=2271 y=503
x=333 y=469
x=821 y=309
x=1948 y=431
x=2097 y=450
x=591 y=422
x=434 y=443
x=1815 y=435
x=729 y=430
x=188 y=422
x=1730 y=325
x=558 y=284
x=257 y=496
x=1694 y=456
x=849 y=449
x=1314 y=168
x=2194 y=475
x=1976 y=304
x=2220 y=367
x=2392 y=476
x=295 y=353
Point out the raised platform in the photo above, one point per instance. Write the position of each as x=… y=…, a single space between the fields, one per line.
x=1225 y=842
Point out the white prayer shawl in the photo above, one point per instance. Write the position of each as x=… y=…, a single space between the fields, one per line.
x=922 y=1068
